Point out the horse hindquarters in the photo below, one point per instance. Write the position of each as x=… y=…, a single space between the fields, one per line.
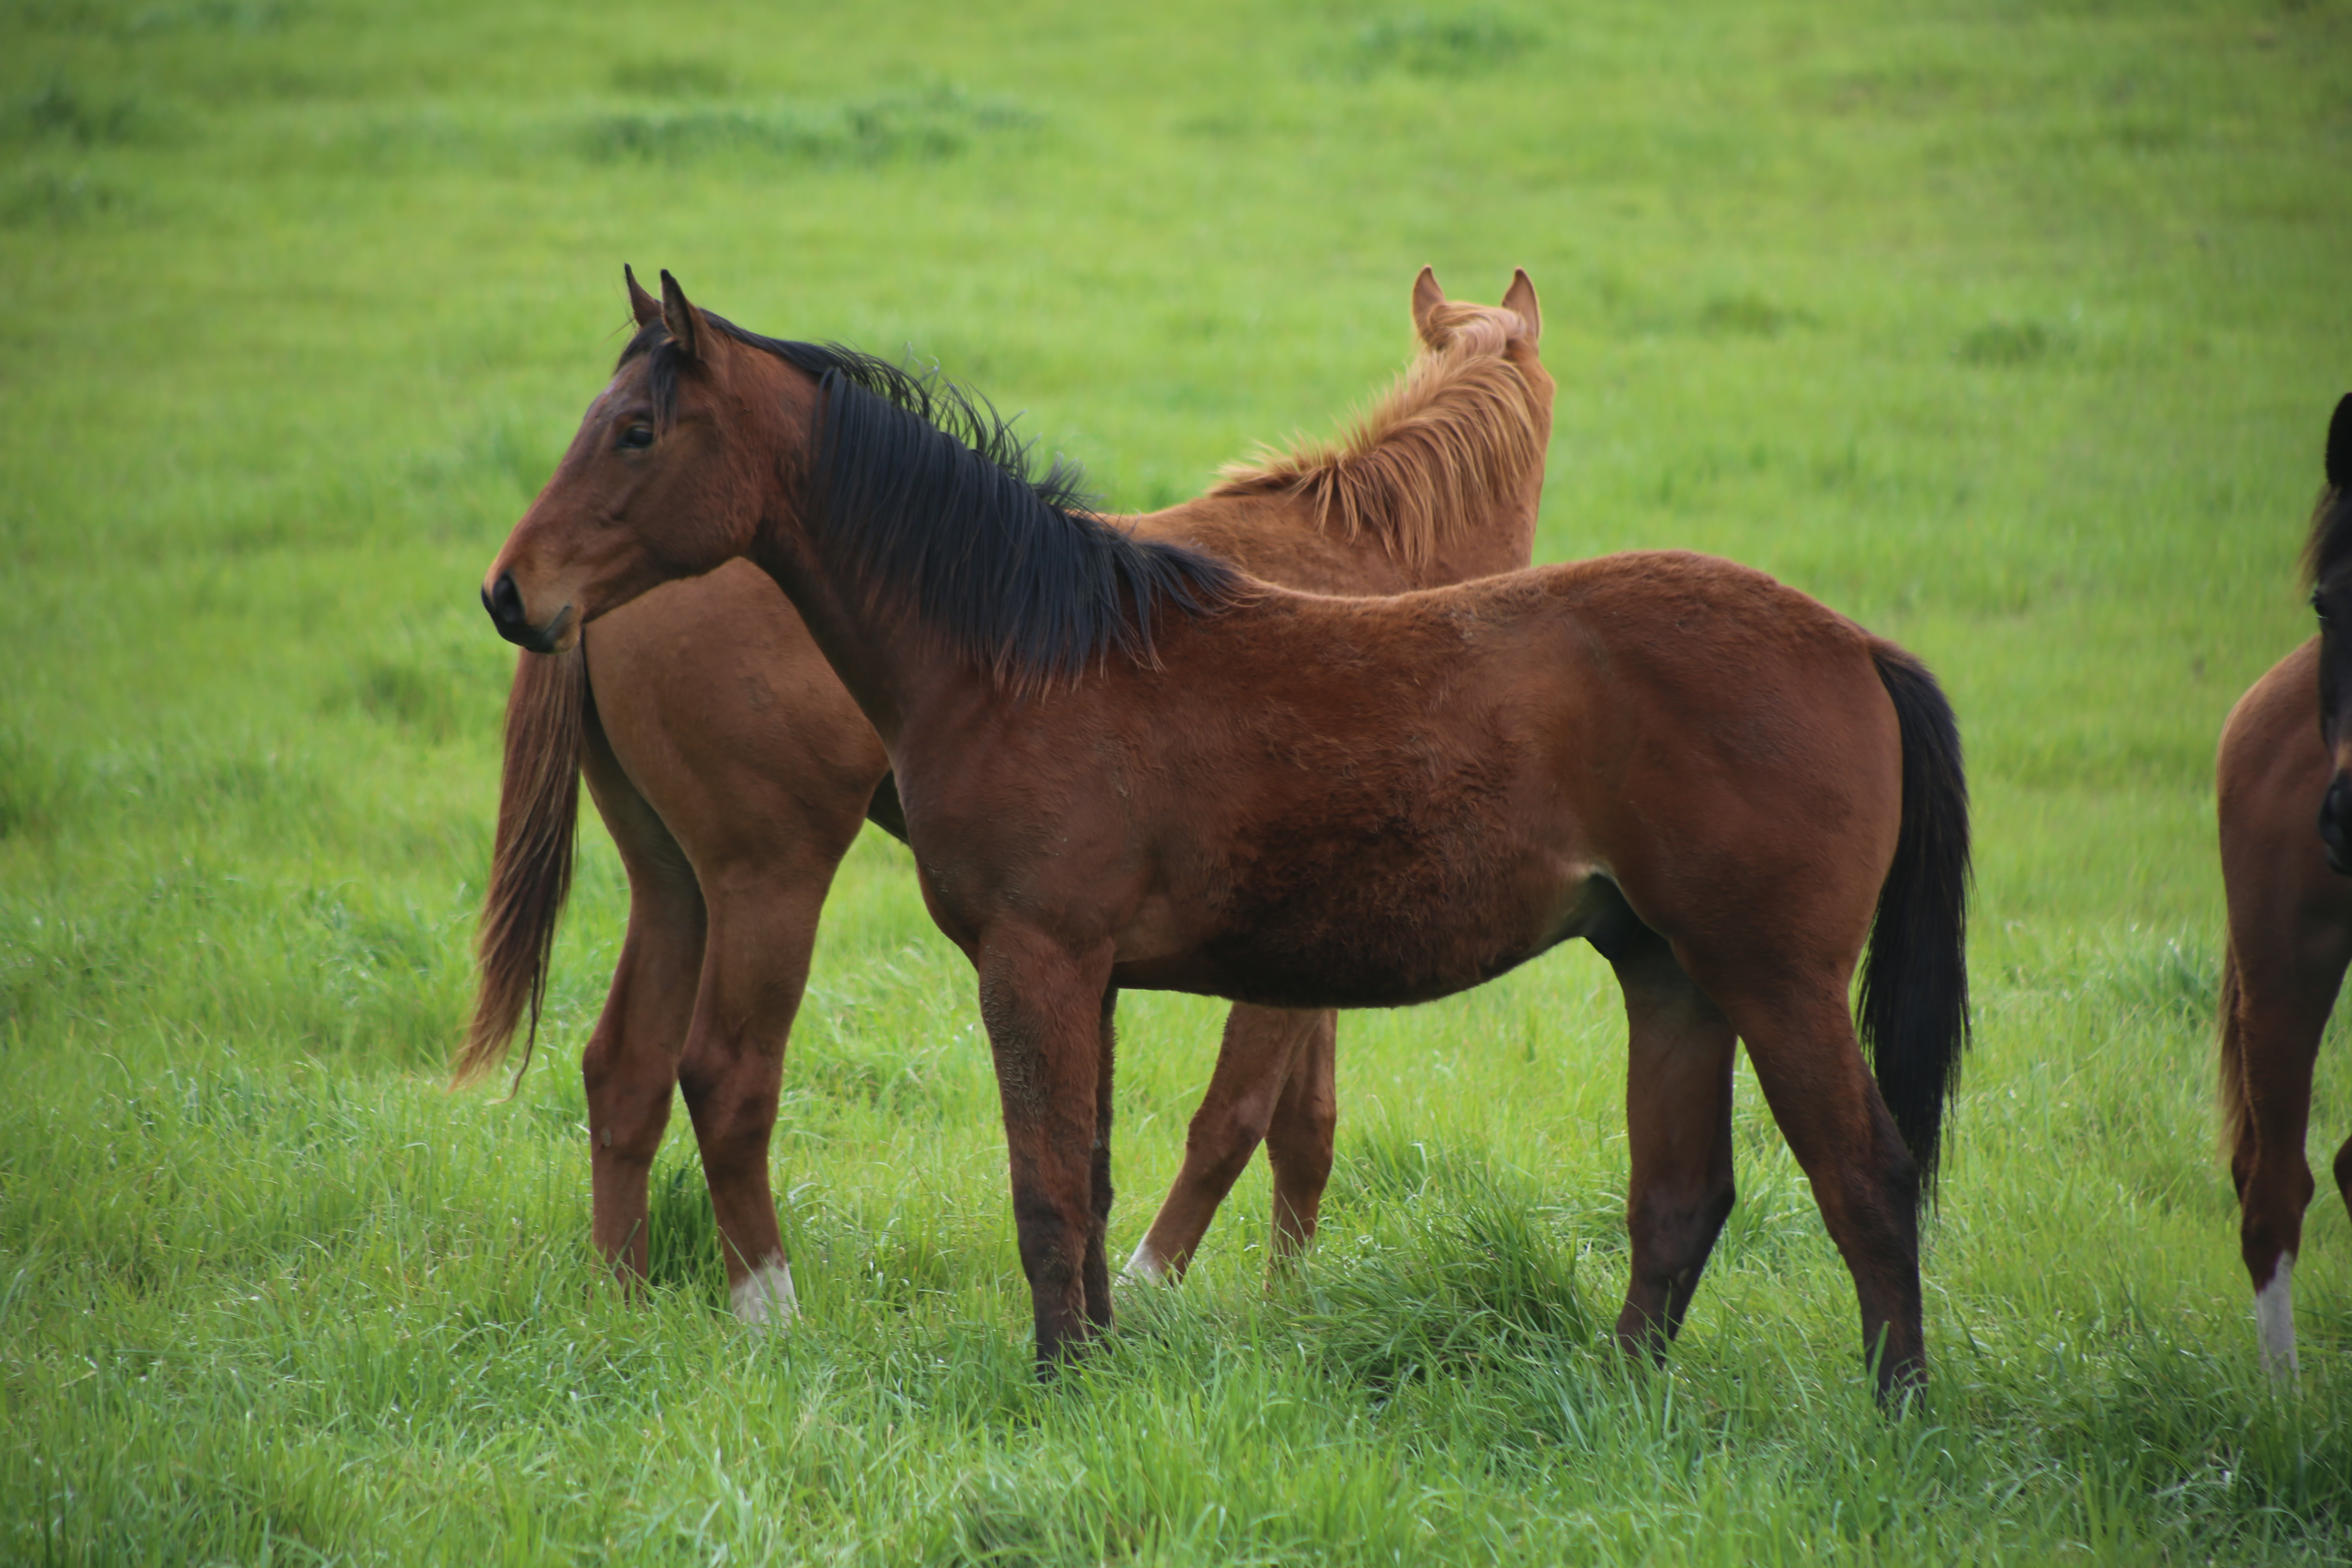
x=1778 y=976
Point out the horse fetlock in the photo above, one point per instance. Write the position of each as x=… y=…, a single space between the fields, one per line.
x=764 y=1298
x=2274 y=1319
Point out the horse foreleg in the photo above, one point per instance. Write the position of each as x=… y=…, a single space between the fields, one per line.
x=1045 y=1008
x=2273 y=1012
x=1096 y=1273
x=753 y=975
x=1679 y=1052
x=1259 y=1061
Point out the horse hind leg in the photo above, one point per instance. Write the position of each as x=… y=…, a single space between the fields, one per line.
x=1801 y=1038
x=1257 y=1060
x=755 y=971
x=1299 y=1140
x=1679 y=1054
x=630 y=1065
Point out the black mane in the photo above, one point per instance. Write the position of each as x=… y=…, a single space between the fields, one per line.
x=925 y=488
x=2324 y=551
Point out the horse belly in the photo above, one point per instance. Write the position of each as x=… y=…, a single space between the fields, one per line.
x=1392 y=936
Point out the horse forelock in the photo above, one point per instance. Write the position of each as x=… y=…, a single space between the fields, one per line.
x=2329 y=542
x=1456 y=435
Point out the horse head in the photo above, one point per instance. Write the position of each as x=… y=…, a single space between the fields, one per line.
x=1442 y=323
x=2328 y=560
x=663 y=480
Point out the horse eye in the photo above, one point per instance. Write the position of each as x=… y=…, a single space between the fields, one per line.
x=2319 y=606
x=637 y=436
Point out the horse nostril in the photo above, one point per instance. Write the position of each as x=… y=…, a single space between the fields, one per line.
x=504 y=600
x=2332 y=812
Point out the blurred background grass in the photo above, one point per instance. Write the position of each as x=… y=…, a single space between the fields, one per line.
x=2012 y=329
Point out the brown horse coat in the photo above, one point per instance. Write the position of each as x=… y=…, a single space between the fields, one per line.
x=1125 y=764
x=733 y=770
x=2281 y=787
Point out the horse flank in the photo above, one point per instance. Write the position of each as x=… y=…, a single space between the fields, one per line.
x=1454 y=434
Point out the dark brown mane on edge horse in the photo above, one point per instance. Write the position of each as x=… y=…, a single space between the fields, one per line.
x=1300 y=801
x=733 y=770
x=2284 y=804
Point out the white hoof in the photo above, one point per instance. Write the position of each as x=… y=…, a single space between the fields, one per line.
x=2274 y=1317
x=764 y=1300
x=1146 y=1268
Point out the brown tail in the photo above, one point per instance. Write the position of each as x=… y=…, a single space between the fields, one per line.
x=2237 y=1115
x=531 y=866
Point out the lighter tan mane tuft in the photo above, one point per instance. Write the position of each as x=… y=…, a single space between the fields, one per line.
x=1455 y=436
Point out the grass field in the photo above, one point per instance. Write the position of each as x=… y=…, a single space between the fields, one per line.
x=2011 y=330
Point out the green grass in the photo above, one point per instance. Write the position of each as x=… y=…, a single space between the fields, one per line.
x=2011 y=330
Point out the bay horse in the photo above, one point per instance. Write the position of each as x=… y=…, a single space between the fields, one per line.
x=2289 y=891
x=733 y=770
x=1123 y=762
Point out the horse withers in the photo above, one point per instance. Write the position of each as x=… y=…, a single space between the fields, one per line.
x=2284 y=788
x=733 y=770
x=1123 y=762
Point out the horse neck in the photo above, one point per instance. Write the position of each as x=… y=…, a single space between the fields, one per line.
x=866 y=631
x=1271 y=528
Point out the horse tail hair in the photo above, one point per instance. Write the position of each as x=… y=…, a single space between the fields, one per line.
x=1914 y=1004
x=530 y=865
x=2230 y=1051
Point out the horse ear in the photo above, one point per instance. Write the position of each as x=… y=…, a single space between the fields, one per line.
x=684 y=322
x=642 y=305
x=1520 y=300
x=2339 y=445
x=1426 y=298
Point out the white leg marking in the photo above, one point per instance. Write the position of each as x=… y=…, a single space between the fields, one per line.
x=2275 y=1316
x=1146 y=1268
x=764 y=1298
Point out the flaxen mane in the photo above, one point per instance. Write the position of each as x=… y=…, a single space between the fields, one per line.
x=1455 y=436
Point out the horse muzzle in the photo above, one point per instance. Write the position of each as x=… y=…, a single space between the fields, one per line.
x=503 y=602
x=2335 y=825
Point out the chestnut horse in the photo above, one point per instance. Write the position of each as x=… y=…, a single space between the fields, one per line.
x=2290 y=898
x=1123 y=762
x=733 y=770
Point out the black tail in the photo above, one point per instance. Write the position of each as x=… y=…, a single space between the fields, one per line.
x=1914 y=983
